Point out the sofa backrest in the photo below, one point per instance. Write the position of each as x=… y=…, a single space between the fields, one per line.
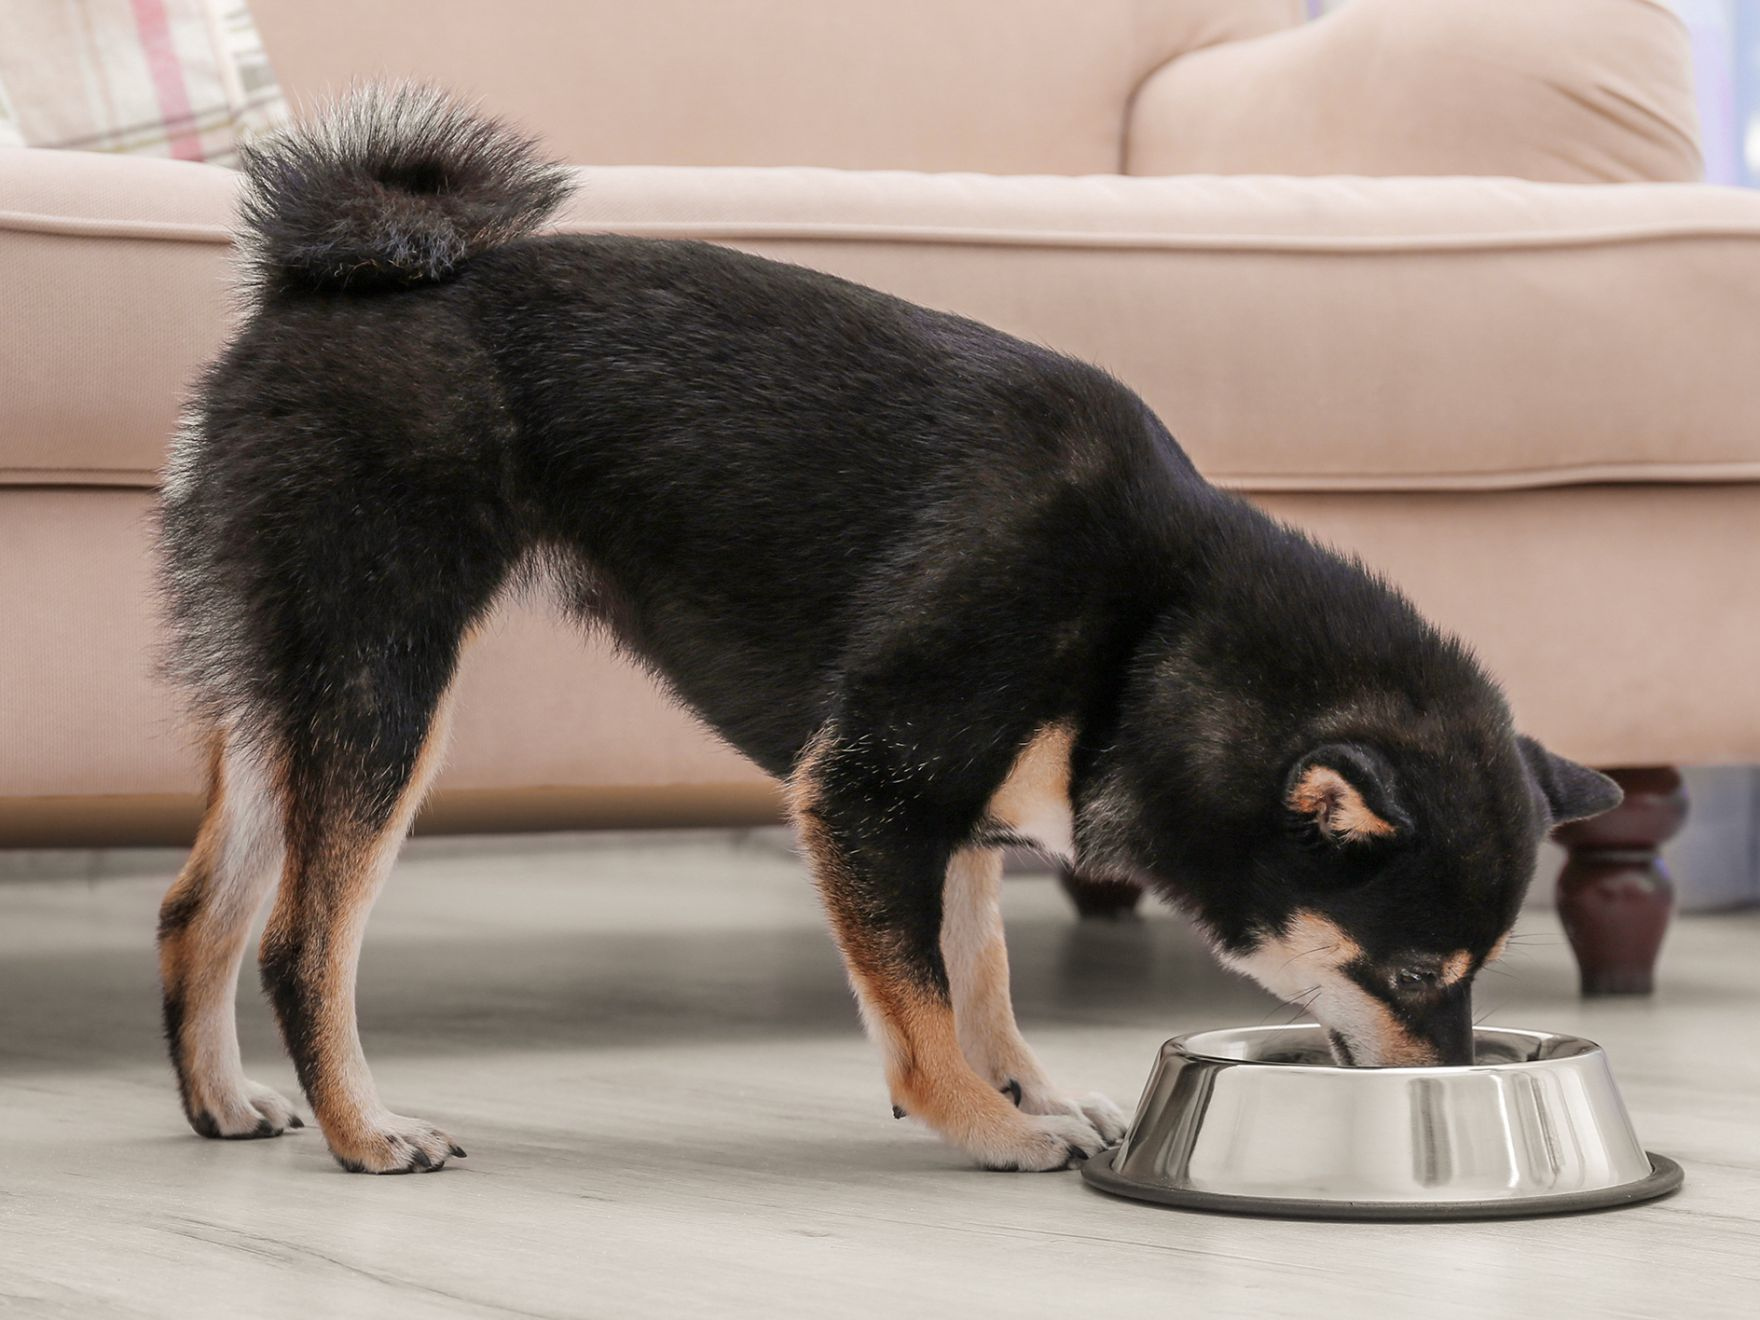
x=1564 y=91
x=1002 y=86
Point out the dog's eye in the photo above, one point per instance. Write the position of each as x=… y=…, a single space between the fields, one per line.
x=1415 y=978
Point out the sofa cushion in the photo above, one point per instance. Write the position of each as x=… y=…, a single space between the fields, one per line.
x=1565 y=91
x=996 y=85
x=1296 y=334
x=181 y=78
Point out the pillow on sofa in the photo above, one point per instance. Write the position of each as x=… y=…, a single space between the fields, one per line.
x=181 y=78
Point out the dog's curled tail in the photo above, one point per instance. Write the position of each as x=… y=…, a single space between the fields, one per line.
x=389 y=186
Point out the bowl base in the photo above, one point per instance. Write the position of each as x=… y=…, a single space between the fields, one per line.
x=1665 y=1177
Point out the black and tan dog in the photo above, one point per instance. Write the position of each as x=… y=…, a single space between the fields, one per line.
x=957 y=590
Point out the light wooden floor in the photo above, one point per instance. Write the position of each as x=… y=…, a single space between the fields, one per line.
x=648 y=1050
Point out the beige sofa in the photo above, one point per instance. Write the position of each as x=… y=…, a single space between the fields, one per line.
x=1533 y=399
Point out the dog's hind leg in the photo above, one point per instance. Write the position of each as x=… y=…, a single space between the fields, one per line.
x=354 y=789
x=204 y=925
x=976 y=957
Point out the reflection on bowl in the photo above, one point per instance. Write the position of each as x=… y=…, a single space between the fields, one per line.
x=1259 y=1119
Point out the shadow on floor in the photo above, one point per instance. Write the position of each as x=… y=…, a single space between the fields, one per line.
x=586 y=990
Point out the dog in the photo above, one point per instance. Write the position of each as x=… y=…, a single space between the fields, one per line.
x=957 y=591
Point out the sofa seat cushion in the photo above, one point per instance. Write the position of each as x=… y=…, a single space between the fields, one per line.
x=1406 y=334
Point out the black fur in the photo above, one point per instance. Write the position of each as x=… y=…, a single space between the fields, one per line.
x=822 y=516
x=1568 y=790
x=289 y=994
x=176 y=913
x=172 y=1015
x=394 y=187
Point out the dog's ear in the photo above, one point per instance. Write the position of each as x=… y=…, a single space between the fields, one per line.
x=1572 y=791
x=1347 y=793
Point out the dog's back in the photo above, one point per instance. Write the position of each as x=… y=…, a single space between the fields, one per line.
x=427 y=403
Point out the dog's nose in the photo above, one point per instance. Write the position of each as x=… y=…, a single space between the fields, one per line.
x=1448 y=1027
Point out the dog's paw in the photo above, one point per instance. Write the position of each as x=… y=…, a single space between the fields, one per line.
x=1100 y=1113
x=395 y=1144
x=1040 y=1142
x=241 y=1112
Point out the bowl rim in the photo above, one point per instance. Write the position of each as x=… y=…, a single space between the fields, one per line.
x=1182 y=1045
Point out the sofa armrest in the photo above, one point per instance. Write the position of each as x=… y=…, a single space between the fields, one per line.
x=1567 y=91
x=116 y=273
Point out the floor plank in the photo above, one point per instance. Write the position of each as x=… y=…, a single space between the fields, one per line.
x=646 y=1045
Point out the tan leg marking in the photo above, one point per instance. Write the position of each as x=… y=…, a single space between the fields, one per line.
x=976 y=956
x=1303 y=965
x=1034 y=800
x=204 y=927
x=973 y=948
x=324 y=912
x=926 y=1070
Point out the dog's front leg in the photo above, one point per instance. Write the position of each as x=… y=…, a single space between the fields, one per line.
x=976 y=958
x=881 y=879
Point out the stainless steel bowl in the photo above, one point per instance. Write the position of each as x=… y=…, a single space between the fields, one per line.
x=1259 y=1120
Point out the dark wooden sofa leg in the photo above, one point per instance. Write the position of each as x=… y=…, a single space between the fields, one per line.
x=1614 y=895
x=1095 y=897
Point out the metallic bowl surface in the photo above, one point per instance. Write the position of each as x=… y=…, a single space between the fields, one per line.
x=1262 y=1116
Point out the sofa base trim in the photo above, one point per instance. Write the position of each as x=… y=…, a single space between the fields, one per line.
x=170 y=818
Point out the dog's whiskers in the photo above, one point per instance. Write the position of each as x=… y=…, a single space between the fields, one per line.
x=1299 y=1006
x=1310 y=953
x=1299 y=1003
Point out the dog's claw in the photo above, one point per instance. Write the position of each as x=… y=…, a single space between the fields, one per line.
x=897 y=1112
x=399 y=1145
x=459 y=1152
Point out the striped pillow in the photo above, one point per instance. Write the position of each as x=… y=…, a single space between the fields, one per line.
x=181 y=78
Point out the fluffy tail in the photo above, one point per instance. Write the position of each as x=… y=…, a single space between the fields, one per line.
x=391 y=186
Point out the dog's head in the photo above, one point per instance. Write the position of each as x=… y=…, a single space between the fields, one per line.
x=1393 y=876
x=1376 y=877
x=1335 y=791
